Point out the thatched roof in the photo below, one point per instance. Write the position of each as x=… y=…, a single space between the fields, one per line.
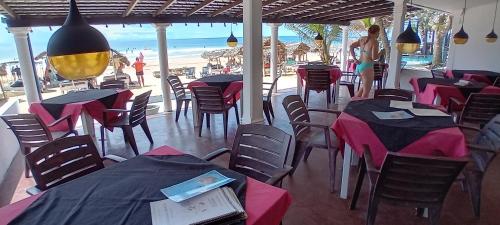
x=298 y=48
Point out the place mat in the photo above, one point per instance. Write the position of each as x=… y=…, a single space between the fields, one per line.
x=472 y=87
x=222 y=81
x=396 y=134
x=56 y=105
x=121 y=193
x=489 y=74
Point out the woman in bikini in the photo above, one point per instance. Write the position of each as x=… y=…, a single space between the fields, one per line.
x=368 y=53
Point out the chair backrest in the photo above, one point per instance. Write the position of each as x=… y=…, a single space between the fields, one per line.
x=177 y=86
x=480 y=108
x=379 y=69
x=112 y=84
x=297 y=112
x=137 y=113
x=437 y=73
x=394 y=94
x=209 y=99
x=497 y=82
x=259 y=151
x=270 y=91
x=318 y=80
x=416 y=180
x=63 y=160
x=29 y=129
x=488 y=137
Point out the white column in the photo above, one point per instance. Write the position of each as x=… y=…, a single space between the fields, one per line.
x=345 y=48
x=252 y=61
x=161 y=36
x=23 y=53
x=274 y=52
x=395 y=61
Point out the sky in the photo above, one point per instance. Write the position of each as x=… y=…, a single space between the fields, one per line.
x=40 y=35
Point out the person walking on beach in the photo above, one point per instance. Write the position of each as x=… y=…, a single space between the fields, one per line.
x=139 y=71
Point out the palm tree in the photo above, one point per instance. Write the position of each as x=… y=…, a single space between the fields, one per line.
x=442 y=25
x=307 y=32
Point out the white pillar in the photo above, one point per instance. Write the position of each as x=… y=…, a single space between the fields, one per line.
x=274 y=52
x=24 y=55
x=395 y=61
x=345 y=48
x=161 y=36
x=252 y=61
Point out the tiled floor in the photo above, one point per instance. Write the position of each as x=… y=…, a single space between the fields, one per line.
x=313 y=204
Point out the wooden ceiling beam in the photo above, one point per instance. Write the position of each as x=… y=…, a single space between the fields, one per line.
x=198 y=7
x=227 y=7
x=336 y=7
x=368 y=6
x=164 y=7
x=7 y=9
x=362 y=15
x=268 y=2
x=284 y=7
x=130 y=8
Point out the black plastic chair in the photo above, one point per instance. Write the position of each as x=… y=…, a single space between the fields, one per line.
x=266 y=101
x=181 y=96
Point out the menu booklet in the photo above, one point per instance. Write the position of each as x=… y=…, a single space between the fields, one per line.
x=218 y=206
x=196 y=186
x=397 y=115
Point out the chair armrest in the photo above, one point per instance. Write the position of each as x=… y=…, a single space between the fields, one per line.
x=462 y=127
x=267 y=83
x=454 y=102
x=325 y=111
x=482 y=148
x=115 y=110
x=64 y=118
x=279 y=175
x=114 y=158
x=322 y=126
x=216 y=154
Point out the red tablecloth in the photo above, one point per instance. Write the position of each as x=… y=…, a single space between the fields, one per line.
x=94 y=108
x=355 y=132
x=264 y=204
x=444 y=92
x=335 y=73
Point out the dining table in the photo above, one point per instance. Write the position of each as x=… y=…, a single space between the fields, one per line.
x=438 y=91
x=88 y=104
x=358 y=125
x=121 y=193
x=478 y=75
x=334 y=71
x=230 y=85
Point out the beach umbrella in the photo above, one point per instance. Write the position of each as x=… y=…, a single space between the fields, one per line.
x=77 y=50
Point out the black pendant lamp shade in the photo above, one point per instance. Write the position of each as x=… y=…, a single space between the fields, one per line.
x=461 y=37
x=77 y=50
x=492 y=37
x=408 y=41
x=232 y=41
x=318 y=40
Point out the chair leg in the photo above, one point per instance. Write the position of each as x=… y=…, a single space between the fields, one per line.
x=103 y=148
x=307 y=153
x=266 y=112
x=200 y=118
x=434 y=215
x=333 y=167
x=359 y=183
x=328 y=97
x=145 y=128
x=186 y=106
x=306 y=97
x=297 y=155
x=208 y=120
x=237 y=113
x=26 y=165
x=130 y=136
x=225 y=124
x=350 y=88
x=372 y=212
x=473 y=181
x=270 y=104
x=178 y=110
x=333 y=93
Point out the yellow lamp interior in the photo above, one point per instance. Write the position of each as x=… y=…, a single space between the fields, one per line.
x=80 y=66
x=408 y=47
x=491 y=40
x=318 y=42
x=460 y=41
x=232 y=44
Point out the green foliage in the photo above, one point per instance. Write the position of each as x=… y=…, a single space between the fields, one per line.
x=307 y=32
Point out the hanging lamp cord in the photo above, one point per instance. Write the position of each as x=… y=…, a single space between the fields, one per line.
x=495 y=16
x=463 y=13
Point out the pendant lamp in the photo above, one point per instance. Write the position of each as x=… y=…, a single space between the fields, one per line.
x=232 y=41
x=408 y=41
x=461 y=37
x=492 y=37
x=77 y=50
x=318 y=40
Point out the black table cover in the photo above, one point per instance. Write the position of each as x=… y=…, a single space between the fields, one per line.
x=491 y=75
x=472 y=87
x=55 y=105
x=121 y=193
x=222 y=81
x=395 y=134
